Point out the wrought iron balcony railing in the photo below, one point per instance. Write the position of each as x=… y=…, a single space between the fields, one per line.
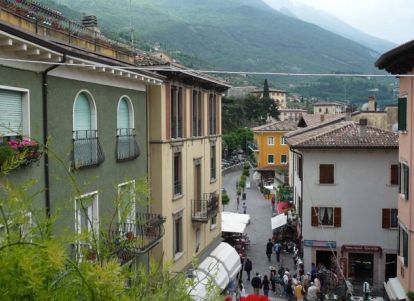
x=87 y=150
x=203 y=210
x=178 y=188
x=134 y=238
x=126 y=145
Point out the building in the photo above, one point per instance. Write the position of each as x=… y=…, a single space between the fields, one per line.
x=329 y=107
x=240 y=91
x=398 y=61
x=291 y=114
x=92 y=115
x=279 y=96
x=271 y=149
x=345 y=178
x=185 y=159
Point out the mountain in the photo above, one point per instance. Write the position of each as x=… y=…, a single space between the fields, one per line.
x=234 y=34
x=329 y=22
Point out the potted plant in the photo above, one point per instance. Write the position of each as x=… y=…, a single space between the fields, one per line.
x=19 y=153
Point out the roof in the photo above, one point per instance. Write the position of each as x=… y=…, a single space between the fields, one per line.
x=398 y=60
x=309 y=120
x=329 y=103
x=345 y=134
x=277 y=126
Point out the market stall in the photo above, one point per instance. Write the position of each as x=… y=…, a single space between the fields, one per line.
x=233 y=227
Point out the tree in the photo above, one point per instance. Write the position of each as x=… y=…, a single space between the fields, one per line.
x=266 y=92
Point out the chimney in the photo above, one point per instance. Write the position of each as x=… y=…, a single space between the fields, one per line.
x=322 y=117
x=372 y=105
x=90 y=22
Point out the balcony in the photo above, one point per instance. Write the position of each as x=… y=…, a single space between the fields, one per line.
x=203 y=210
x=126 y=145
x=134 y=238
x=87 y=150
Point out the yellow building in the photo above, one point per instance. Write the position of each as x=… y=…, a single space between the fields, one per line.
x=272 y=149
x=185 y=164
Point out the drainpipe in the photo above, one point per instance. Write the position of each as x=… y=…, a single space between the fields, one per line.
x=301 y=188
x=46 y=133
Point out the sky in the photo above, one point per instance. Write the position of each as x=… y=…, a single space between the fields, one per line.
x=392 y=20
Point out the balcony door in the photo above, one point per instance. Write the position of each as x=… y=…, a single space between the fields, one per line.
x=197 y=187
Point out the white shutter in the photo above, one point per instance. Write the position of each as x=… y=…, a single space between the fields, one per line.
x=123 y=114
x=82 y=114
x=11 y=113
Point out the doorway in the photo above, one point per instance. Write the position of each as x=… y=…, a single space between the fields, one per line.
x=390 y=266
x=325 y=258
x=361 y=267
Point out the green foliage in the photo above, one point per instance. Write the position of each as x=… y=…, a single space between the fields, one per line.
x=284 y=193
x=225 y=199
x=238 y=139
x=410 y=295
x=246 y=172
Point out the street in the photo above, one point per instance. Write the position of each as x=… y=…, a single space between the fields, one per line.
x=258 y=230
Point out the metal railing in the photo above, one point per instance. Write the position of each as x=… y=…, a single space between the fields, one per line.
x=87 y=150
x=203 y=210
x=126 y=145
x=134 y=238
x=176 y=128
x=178 y=188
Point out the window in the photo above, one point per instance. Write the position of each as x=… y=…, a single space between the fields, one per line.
x=212 y=114
x=300 y=168
x=197 y=114
x=126 y=203
x=402 y=114
x=403 y=245
x=326 y=111
x=87 y=215
x=326 y=216
x=127 y=146
x=14 y=113
x=394 y=174
x=176 y=112
x=320 y=110
x=213 y=162
x=283 y=159
x=389 y=218
x=270 y=140
x=270 y=159
x=326 y=173
x=178 y=233
x=282 y=140
x=213 y=221
x=404 y=183
x=177 y=169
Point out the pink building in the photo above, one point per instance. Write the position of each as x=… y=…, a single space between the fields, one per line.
x=400 y=61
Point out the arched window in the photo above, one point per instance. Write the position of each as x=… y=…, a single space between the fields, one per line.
x=127 y=146
x=87 y=150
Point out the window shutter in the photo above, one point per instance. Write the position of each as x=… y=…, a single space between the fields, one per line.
x=314 y=217
x=11 y=113
x=337 y=217
x=402 y=114
x=407 y=182
x=82 y=119
x=394 y=174
x=168 y=98
x=386 y=218
x=326 y=173
x=300 y=166
x=216 y=102
x=399 y=177
x=123 y=114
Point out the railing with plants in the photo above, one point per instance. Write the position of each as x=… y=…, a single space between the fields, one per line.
x=17 y=153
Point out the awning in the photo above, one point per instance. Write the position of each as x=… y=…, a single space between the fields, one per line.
x=278 y=221
x=241 y=218
x=234 y=222
x=283 y=205
x=219 y=268
x=395 y=290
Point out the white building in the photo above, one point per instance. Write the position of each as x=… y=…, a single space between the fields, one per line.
x=291 y=114
x=345 y=178
x=329 y=107
x=279 y=96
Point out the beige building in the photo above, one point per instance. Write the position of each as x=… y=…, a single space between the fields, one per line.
x=291 y=114
x=185 y=164
x=279 y=96
x=329 y=107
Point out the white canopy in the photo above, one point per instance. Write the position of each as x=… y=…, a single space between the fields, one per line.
x=278 y=221
x=234 y=222
x=219 y=268
x=242 y=218
x=395 y=290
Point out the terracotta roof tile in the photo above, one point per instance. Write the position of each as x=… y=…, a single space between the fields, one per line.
x=277 y=126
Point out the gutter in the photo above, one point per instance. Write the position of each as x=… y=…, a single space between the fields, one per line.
x=46 y=134
x=301 y=188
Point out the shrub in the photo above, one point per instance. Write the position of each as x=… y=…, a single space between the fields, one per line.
x=225 y=199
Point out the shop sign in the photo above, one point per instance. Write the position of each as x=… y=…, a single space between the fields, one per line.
x=320 y=243
x=361 y=248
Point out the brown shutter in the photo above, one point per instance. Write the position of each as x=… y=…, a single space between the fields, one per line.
x=208 y=113
x=192 y=112
x=217 y=101
x=337 y=217
x=386 y=218
x=326 y=174
x=394 y=174
x=314 y=217
x=184 y=113
x=168 y=111
x=203 y=117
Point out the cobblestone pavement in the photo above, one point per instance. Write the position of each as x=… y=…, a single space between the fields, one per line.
x=258 y=230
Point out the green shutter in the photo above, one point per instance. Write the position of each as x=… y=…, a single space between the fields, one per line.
x=402 y=114
x=82 y=114
x=123 y=114
x=11 y=113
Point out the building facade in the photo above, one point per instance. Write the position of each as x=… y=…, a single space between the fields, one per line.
x=345 y=178
x=328 y=107
x=291 y=114
x=279 y=96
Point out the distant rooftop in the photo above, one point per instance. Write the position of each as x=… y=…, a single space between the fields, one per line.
x=270 y=90
x=329 y=103
x=277 y=126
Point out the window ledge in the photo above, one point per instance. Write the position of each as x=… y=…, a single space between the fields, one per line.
x=327 y=226
x=177 y=197
x=392 y=185
x=393 y=228
x=327 y=184
x=212 y=227
x=178 y=256
x=212 y=181
x=403 y=132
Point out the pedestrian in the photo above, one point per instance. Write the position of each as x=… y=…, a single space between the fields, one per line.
x=289 y=290
x=256 y=284
x=314 y=271
x=238 y=202
x=265 y=285
x=242 y=266
x=281 y=271
x=366 y=290
x=273 y=280
x=269 y=248
x=278 y=250
x=273 y=203
x=244 y=208
x=312 y=294
x=299 y=291
x=248 y=266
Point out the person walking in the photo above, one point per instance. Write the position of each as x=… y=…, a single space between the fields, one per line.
x=278 y=250
x=256 y=284
x=244 y=208
x=269 y=248
x=312 y=294
x=248 y=266
x=265 y=285
x=289 y=290
x=238 y=202
x=299 y=291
